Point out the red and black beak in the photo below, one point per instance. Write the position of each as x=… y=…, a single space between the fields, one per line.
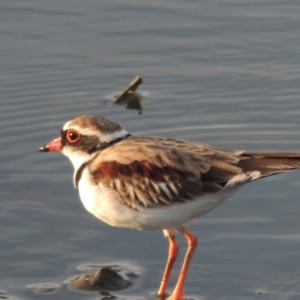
x=54 y=145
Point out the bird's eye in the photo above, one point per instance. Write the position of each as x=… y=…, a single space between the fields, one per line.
x=72 y=136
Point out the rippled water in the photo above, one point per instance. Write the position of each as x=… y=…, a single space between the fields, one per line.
x=223 y=72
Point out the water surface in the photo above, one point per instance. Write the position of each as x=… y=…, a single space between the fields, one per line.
x=223 y=72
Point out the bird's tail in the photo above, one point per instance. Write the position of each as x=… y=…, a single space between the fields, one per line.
x=268 y=163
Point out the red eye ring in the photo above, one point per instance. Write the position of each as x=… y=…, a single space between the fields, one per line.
x=72 y=136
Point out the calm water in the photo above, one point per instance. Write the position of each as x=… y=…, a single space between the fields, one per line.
x=223 y=72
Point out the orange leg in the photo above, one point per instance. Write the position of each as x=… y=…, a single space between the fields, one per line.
x=173 y=252
x=192 y=245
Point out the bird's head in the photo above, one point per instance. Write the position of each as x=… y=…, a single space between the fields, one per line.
x=83 y=137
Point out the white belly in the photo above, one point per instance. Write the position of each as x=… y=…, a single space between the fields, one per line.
x=104 y=203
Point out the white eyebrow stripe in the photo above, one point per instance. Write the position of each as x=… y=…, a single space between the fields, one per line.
x=104 y=137
x=82 y=131
x=114 y=135
x=66 y=125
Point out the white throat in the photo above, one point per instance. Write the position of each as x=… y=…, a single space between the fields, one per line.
x=77 y=159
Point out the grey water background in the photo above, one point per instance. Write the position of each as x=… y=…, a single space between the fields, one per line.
x=223 y=72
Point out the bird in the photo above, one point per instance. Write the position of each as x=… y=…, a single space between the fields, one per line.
x=157 y=183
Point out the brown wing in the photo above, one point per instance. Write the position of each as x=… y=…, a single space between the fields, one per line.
x=151 y=172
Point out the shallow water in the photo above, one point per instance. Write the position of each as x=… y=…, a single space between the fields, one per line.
x=223 y=72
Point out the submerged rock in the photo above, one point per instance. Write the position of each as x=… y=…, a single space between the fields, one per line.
x=105 y=278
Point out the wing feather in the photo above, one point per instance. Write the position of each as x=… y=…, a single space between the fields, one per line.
x=151 y=172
